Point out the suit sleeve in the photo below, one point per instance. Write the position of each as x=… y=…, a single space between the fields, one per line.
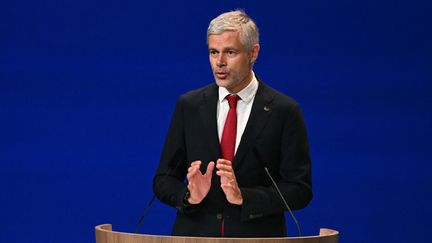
x=292 y=174
x=168 y=183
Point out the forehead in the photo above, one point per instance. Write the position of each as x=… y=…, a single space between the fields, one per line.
x=225 y=40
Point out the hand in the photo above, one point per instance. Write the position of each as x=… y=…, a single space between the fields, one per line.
x=228 y=181
x=199 y=184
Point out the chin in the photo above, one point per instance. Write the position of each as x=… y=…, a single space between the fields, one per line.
x=222 y=83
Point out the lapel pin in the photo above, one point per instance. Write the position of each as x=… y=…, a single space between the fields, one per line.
x=266 y=108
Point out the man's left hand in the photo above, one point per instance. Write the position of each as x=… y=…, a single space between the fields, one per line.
x=228 y=181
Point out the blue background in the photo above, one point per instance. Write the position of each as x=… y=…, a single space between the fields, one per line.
x=87 y=90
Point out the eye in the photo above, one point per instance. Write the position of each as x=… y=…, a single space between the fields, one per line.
x=231 y=53
x=213 y=53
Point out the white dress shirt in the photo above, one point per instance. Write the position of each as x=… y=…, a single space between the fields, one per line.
x=244 y=106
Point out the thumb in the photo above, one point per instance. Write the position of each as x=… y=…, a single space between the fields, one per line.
x=210 y=168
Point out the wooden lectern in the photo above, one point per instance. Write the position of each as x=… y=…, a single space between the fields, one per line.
x=104 y=234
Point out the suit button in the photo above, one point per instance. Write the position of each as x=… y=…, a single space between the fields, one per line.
x=219 y=216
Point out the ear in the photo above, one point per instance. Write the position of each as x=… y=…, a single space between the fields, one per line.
x=254 y=53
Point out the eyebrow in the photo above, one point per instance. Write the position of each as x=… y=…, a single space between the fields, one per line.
x=225 y=49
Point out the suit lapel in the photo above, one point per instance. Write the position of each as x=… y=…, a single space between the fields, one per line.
x=207 y=111
x=261 y=111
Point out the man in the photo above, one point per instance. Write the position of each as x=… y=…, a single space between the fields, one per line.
x=223 y=135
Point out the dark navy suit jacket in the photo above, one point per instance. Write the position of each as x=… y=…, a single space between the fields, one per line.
x=275 y=136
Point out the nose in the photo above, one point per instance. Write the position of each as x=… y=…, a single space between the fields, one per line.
x=221 y=61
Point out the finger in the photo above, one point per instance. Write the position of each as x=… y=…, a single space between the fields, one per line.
x=223 y=164
x=192 y=168
x=195 y=164
x=210 y=167
x=192 y=173
x=209 y=172
x=223 y=173
x=224 y=167
x=223 y=161
x=226 y=178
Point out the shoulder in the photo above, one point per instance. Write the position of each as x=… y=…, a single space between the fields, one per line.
x=284 y=108
x=278 y=99
x=200 y=93
x=195 y=98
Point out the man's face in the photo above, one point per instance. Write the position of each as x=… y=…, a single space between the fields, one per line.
x=230 y=62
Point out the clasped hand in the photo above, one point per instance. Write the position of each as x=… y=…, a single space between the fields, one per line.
x=199 y=184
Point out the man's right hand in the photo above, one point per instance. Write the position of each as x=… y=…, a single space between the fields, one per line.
x=199 y=184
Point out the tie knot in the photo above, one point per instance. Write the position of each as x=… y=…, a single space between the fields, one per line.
x=232 y=100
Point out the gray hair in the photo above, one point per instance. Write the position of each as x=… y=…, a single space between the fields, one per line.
x=236 y=21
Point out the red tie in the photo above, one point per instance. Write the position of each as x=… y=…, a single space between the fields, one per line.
x=229 y=133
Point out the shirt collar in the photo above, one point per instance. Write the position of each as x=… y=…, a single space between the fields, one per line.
x=245 y=94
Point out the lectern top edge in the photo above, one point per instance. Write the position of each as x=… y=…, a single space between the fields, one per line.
x=105 y=230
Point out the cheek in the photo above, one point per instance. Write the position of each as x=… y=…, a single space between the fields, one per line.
x=236 y=64
x=240 y=66
x=212 y=64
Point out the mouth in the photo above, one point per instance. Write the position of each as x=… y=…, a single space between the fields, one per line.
x=221 y=75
